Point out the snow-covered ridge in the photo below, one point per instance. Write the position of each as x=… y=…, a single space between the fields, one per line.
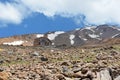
x=14 y=43
x=71 y=39
x=52 y=36
x=90 y=28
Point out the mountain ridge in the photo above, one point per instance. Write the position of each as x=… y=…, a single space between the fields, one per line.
x=78 y=37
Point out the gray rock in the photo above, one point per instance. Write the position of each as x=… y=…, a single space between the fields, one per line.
x=10 y=52
x=76 y=69
x=118 y=78
x=105 y=75
x=65 y=69
x=35 y=54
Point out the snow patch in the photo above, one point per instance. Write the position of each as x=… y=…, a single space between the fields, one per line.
x=53 y=35
x=71 y=39
x=39 y=35
x=101 y=33
x=14 y=43
x=115 y=35
x=83 y=38
x=93 y=35
x=116 y=28
x=90 y=28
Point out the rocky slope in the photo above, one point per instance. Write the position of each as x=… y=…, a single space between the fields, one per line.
x=48 y=63
x=84 y=36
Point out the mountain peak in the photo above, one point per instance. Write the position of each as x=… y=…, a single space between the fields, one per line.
x=78 y=37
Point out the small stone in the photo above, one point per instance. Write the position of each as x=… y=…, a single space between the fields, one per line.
x=44 y=58
x=75 y=70
x=35 y=54
x=64 y=69
x=60 y=77
x=65 y=63
x=84 y=71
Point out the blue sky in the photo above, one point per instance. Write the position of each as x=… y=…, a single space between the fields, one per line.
x=41 y=16
x=39 y=24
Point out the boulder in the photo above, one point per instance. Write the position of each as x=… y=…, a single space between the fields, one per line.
x=4 y=76
x=117 y=78
x=106 y=75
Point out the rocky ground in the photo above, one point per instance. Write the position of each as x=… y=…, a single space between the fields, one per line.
x=48 y=63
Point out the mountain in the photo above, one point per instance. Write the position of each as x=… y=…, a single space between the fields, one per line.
x=92 y=35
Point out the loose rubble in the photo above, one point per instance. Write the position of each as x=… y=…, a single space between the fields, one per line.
x=39 y=63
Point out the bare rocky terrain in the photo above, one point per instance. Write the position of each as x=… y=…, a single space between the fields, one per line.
x=90 y=53
x=49 y=63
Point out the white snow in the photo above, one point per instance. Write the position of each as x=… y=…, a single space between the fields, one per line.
x=116 y=28
x=115 y=35
x=39 y=35
x=53 y=35
x=71 y=39
x=83 y=38
x=101 y=33
x=93 y=35
x=53 y=43
x=14 y=43
x=90 y=28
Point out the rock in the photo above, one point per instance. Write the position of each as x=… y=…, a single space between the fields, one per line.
x=66 y=63
x=75 y=70
x=117 y=78
x=84 y=71
x=105 y=75
x=86 y=79
x=43 y=58
x=61 y=77
x=1 y=61
x=35 y=54
x=4 y=76
x=72 y=75
x=64 y=69
x=10 y=52
x=22 y=75
x=1 y=69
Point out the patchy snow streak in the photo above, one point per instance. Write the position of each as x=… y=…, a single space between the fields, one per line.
x=53 y=35
x=90 y=28
x=94 y=35
x=71 y=39
x=83 y=38
x=14 y=43
x=115 y=35
x=39 y=35
x=116 y=28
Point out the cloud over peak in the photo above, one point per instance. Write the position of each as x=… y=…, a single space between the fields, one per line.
x=94 y=11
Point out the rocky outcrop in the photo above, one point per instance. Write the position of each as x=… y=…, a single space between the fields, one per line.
x=43 y=41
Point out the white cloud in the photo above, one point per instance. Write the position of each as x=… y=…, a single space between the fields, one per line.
x=12 y=12
x=9 y=13
x=95 y=11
